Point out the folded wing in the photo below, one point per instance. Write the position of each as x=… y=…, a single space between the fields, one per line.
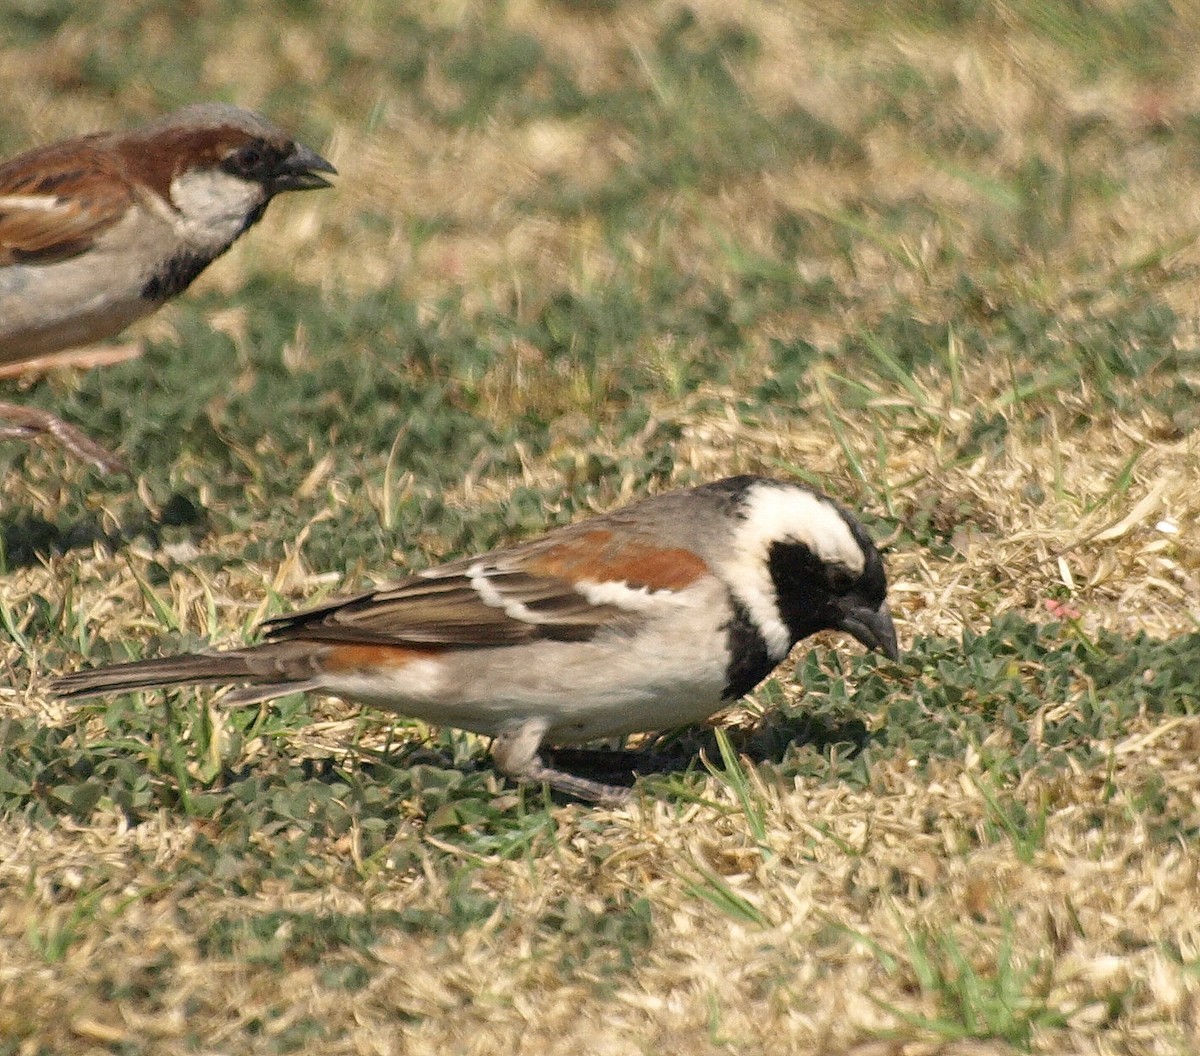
x=565 y=588
x=55 y=202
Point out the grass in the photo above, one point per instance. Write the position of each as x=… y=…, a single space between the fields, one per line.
x=939 y=259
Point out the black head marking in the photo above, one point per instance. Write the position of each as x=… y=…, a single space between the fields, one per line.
x=258 y=160
x=804 y=587
x=813 y=595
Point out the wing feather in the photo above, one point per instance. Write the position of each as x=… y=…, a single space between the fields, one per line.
x=543 y=589
x=56 y=201
x=451 y=612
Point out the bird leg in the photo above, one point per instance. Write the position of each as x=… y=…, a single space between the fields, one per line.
x=21 y=423
x=85 y=358
x=515 y=752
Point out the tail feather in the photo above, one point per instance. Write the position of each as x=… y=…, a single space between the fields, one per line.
x=228 y=668
x=268 y=670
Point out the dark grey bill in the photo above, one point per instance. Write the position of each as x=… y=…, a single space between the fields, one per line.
x=298 y=171
x=874 y=628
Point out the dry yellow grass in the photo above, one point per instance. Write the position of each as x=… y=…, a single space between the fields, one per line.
x=852 y=886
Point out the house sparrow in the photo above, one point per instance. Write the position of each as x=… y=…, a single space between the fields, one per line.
x=98 y=231
x=657 y=615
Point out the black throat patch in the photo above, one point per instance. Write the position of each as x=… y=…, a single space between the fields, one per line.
x=175 y=276
x=749 y=660
x=178 y=273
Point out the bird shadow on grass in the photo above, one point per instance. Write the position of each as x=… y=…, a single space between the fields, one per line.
x=60 y=769
x=27 y=538
x=770 y=741
x=682 y=751
x=56 y=770
x=429 y=772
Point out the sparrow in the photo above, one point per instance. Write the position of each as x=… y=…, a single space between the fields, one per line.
x=654 y=616
x=99 y=231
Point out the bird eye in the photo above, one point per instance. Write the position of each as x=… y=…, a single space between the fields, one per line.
x=250 y=158
x=841 y=579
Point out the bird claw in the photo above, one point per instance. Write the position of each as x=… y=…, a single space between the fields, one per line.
x=24 y=423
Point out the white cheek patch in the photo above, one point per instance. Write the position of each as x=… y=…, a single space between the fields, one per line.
x=785 y=513
x=750 y=582
x=781 y=514
x=214 y=204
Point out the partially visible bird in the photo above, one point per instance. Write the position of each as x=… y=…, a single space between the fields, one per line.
x=654 y=616
x=99 y=231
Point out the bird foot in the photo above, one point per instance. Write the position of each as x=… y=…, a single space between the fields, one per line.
x=515 y=750
x=23 y=423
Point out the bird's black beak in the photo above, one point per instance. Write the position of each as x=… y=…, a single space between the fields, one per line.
x=299 y=171
x=874 y=628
